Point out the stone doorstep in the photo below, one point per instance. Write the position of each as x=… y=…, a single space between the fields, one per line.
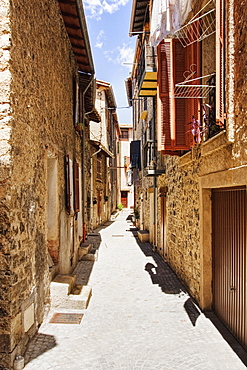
x=66 y=281
x=83 y=250
x=90 y=256
x=61 y=287
x=66 y=294
x=143 y=235
x=79 y=300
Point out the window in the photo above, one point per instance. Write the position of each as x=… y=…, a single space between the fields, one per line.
x=175 y=113
x=76 y=187
x=99 y=167
x=135 y=154
x=72 y=186
x=124 y=134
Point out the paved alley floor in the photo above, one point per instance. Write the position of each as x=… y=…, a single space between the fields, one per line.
x=139 y=316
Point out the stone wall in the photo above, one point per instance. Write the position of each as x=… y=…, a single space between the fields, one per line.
x=239 y=52
x=37 y=70
x=182 y=220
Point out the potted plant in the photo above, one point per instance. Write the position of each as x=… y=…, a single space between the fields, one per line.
x=79 y=126
x=136 y=213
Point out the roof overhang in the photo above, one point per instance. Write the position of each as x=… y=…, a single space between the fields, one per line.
x=138 y=16
x=75 y=24
x=129 y=90
x=106 y=86
x=106 y=151
x=88 y=85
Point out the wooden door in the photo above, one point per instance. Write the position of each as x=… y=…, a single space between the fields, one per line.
x=229 y=259
x=124 y=198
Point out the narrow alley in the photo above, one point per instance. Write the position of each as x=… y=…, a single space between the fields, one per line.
x=139 y=317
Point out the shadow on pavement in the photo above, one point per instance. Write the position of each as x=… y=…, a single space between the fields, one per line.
x=40 y=343
x=192 y=311
x=228 y=336
x=84 y=268
x=169 y=283
x=162 y=275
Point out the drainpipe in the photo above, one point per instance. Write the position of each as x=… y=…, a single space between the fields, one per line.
x=155 y=182
x=84 y=114
x=91 y=187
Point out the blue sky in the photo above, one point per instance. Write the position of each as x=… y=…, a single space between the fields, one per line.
x=108 y=27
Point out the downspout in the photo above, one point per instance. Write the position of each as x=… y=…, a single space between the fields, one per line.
x=91 y=188
x=155 y=182
x=84 y=114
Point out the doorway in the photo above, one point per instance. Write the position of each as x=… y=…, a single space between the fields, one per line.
x=229 y=259
x=124 y=198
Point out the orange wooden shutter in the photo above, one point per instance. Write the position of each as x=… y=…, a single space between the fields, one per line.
x=220 y=63
x=76 y=187
x=172 y=63
x=164 y=75
x=181 y=140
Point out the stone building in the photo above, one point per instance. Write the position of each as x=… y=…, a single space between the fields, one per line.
x=47 y=92
x=126 y=173
x=104 y=186
x=191 y=81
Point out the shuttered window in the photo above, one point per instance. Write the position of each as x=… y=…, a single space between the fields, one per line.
x=176 y=113
x=220 y=73
x=69 y=186
x=164 y=75
x=76 y=187
x=72 y=186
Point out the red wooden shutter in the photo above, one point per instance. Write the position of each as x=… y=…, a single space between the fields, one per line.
x=76 y=187
x=68 y=196
x=164 y=75
x=181 y=142
x=220 y=63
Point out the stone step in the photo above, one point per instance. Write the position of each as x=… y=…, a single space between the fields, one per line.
x=61 y=287
x=92 y=256
x=83 y=250
x=79 y=299
x=143 y=235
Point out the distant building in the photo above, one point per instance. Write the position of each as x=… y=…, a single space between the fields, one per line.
x=104 y=185
x=126 y=173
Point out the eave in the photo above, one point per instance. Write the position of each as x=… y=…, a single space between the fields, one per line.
x=106 y=151
x=129 y=91
x=88 y=85
x=138 y=16
x=75 y=24
x=106 y=86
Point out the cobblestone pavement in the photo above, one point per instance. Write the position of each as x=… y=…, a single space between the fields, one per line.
x=139 y=317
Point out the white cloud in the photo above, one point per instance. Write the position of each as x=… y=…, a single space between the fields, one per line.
x=97 y=7
x=122 y=55
x=99 y=39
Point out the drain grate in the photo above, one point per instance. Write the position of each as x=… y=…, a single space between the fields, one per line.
x=66 y=318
